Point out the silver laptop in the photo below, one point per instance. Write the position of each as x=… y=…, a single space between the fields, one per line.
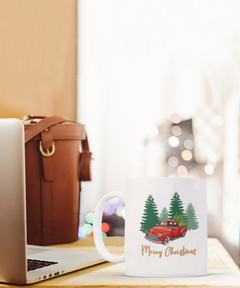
x=21 y=263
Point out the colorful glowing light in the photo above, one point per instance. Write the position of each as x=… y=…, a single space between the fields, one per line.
x=187 y=155
x=110 y=210
x=176 y=130
x=175 y=118
x=88 y=228
x=105 y=227
x=114 y=201
x=182 y=171
x=89 y=217
x=120 y=211
x=81 y=232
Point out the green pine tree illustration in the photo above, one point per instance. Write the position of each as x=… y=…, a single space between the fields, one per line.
x=192 y=223
x=181 y=219
x=150 y=215
x=163 y=214
x=176 y=206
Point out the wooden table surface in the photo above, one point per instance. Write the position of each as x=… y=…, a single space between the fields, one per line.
x=222 y=271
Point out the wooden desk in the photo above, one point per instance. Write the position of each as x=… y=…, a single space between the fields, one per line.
x=222 y=271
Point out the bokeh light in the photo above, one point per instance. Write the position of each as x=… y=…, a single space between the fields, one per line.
x=175 y=118
x=105 y=227
x=182 y=171
x=109 y=209
x=153 y=131
x=176 y=130
x=88 y=228
x=213 y=164
x=209 y=170
x=173 y=161
x=113 y=201
x=81 y=232
x=116 y=202
x=173 y=141
x=188 y=144
x=123 y=213
x=120 y=211
x=104 y=234
x=187 y=155
x=89 y=217
x=106 y=208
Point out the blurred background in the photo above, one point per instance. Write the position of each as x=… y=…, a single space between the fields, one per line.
x=158 y=89
x=157 y=84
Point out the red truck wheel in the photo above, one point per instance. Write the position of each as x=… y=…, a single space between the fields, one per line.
x=166 y=240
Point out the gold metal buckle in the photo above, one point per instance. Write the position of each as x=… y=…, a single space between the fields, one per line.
x=48 y=153
x=26 y=118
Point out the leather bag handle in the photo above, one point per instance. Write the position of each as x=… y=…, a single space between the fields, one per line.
x=42 y=125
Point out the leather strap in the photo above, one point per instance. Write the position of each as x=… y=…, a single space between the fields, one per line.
x=48 y=162
x=46 y=122
x=42 y=125
x=85 y=161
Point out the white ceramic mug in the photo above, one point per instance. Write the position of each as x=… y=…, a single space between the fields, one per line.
x=165 y=227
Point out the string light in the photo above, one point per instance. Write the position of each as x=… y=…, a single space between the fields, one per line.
x=209 y=170
x=188 y=144
x=153 y=131
x=88 y=228
x=110 y=210
x=121 y=211
x=187 y=155
x=114 y=206
x=173 y=161
x=81 y=232
x=182 y=171
x=173 y=141
x=176 y=130
x=175 y=118
x=89 y=217
x=114 y=201
x=105 y=227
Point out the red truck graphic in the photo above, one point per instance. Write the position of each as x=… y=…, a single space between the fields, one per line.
x=166 y=231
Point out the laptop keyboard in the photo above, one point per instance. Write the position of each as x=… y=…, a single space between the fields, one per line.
x=34 y=264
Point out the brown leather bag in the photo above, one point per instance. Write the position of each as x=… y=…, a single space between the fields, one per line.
x=54 y=168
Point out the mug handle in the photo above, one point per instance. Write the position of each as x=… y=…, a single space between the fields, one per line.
x=97 y=227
